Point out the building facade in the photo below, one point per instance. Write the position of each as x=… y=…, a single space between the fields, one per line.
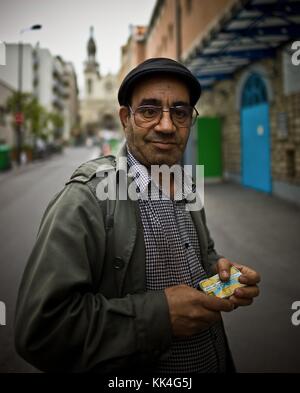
x=6 y=133
x=9 y=73
x=134 y=51
x=48 y=78
x=55 y=86
x=98 y=107
x=71 y=104
x=242 y=53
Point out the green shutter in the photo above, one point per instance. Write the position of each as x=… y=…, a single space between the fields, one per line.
x=209 y=146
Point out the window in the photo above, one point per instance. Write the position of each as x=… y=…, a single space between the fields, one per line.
x=90 y=86
x=188 y=5
x=254 y=91
x=108 y=86
x=290 y=163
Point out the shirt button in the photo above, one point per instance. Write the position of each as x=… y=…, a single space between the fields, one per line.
x=187 y=245
x=138 y=190
x=118 y=263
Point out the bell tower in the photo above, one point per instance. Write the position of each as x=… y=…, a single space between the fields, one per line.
x=91 y=70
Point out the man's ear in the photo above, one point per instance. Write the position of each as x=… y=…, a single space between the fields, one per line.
x=124 y=115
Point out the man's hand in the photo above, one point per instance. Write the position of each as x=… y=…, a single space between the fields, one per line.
x=192 y=311
x=242 y=296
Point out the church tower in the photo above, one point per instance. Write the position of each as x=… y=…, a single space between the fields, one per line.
x=99 y=106
x=91 y=70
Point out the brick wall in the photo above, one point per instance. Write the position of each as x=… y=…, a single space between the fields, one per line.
x=197 y=17
x=285 y=153
x=161 y=41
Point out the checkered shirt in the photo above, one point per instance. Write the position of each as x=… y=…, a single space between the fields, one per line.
x=173 y=257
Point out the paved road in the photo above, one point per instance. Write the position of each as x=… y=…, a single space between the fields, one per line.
x=262 y=231
x=23 y=199
x=248 y=227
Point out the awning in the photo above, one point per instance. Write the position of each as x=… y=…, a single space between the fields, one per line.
x=251 y=30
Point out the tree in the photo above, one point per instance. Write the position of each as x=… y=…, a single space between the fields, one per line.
x=57 y=122
x=18 y=101
x=38 y=118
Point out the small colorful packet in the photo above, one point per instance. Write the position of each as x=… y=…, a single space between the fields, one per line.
x=215 y=287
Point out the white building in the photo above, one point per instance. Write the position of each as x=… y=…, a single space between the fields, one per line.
x=7 y=135
x=49 y=78
x=99 y=106
x=71 y=107
x=10 y=81
x=56 y=88
x=43 y=63
x=9 y=73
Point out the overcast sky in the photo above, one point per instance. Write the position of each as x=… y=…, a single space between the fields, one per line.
x=66 y=25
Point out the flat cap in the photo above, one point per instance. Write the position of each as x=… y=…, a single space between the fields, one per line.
x=159 y=65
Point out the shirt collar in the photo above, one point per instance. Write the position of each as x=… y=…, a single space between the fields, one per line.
x=139 y=172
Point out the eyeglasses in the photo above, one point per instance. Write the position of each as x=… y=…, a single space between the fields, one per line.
x=182 y=116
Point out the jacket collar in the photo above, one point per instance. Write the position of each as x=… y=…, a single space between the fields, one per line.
x=121 y=158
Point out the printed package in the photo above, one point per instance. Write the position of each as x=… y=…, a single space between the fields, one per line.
x=215 y=287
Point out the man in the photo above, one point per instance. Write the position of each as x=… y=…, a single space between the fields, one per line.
x=110 y=286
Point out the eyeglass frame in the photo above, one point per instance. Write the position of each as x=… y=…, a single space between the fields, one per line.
x=165 y=110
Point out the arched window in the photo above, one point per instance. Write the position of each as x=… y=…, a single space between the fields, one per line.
x=254 y=92
x=90 y=86
x=108 y=122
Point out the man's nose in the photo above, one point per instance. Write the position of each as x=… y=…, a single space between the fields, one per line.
x=165 y=124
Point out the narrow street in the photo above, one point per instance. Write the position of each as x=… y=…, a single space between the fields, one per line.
x=261 y=231
x=248 y=227
x=23 y=199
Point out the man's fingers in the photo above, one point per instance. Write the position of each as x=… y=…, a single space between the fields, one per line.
x=216 y=304
x=211 y=317
x=237 y=302
x=249 y=276
x=223 y=269
x=247 y=292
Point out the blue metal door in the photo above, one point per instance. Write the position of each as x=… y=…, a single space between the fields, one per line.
x=255 y=135
x=256 y=147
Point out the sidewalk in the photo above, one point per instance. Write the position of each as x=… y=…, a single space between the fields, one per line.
x=18 y=170
x=261 y=231
x=24 y=168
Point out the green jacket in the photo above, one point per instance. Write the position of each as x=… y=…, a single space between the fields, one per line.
x=83 y=304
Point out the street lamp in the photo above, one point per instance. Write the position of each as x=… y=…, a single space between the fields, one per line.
x=19 y=115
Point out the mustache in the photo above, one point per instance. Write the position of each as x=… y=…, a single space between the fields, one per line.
x=160 y=139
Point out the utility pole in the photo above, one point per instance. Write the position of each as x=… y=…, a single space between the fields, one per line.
x=19 y=117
